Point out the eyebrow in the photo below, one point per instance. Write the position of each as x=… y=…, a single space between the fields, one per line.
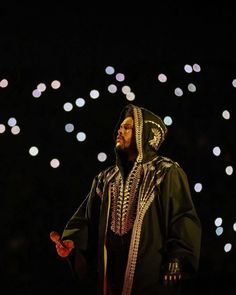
x=126 y=125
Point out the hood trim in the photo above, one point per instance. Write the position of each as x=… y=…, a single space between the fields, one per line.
x=138 y=123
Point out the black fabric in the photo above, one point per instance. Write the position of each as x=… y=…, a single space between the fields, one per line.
x=168 y=224
x=118 y=248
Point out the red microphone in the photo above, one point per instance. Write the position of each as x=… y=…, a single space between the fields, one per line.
x=55 y=237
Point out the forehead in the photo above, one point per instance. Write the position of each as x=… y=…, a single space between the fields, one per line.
x=128 y=121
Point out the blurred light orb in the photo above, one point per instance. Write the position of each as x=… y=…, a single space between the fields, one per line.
x=162 y=78
x=198 y=187
x=196 y=68
x=109 y=70
x=234 y=83
x=102 y=157
x=94 y=93
x=67 y=106
x=33 y=151
x=188 y=68
x=112 y=88
x=81 y=136
x=55 y=163
x=2 y=128
x=36 y=93
x=218 y=221
x=69 y=127
x=4 y=83
x=15 y=130
x=228 y=247
x=226 y=115
x=126 y=89
x=41 y=87
x=216 y=151
x=80 y=102
x=219 y=231
x=120 y=77
x=178 y=91
x=130 y=96
x=55 y=84
x=234 y=226
x=168 y=120
x=191 y=87
x=229 y=170
x=11 y=122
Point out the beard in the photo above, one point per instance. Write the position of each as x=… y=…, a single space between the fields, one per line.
x=125 y=152
x=122 y=155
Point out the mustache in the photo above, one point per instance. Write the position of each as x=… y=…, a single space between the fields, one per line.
x=119 y=137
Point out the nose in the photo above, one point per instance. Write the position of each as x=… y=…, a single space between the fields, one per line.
x=119 y=131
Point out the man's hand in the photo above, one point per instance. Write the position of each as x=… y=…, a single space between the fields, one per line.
x=172 y=272
x=63 y=247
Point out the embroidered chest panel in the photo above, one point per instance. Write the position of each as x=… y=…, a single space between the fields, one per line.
x=124 y=199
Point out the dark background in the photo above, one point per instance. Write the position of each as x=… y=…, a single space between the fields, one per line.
x=40 y=44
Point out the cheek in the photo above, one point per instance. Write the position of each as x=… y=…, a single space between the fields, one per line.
x=133 y=137
x=130 y=140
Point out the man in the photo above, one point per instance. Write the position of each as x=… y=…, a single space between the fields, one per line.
x=137 y=231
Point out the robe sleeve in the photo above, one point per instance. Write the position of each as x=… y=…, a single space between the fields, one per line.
x=182 y=224
x=82 y=229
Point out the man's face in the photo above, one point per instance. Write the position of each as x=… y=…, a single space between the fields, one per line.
x=125 y=140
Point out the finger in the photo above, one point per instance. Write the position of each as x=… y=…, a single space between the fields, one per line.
x=62 y=252
x=69 y=244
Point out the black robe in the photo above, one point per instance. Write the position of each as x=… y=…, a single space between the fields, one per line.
x=166 y=224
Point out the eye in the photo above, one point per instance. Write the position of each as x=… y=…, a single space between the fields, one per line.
x=128 y=128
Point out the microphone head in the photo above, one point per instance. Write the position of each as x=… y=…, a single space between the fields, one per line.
x=54 y=236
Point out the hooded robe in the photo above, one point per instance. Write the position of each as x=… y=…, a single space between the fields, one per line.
x=149 y=207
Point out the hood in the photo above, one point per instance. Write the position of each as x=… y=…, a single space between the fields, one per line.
x=150 y=132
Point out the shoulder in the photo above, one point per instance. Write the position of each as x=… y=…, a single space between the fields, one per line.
x=166 y=166
x=170 y=172
x=106 y=174
x=102 y=178
x=172 y=169
x=165 y=163
x=160 y=167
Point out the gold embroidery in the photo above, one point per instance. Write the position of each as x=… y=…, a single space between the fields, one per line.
x=124 y=200
x=146 y=197
x=158 y=126
x=138 y=123
x=156 y=139
x=159 y=134
x=134 y=244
